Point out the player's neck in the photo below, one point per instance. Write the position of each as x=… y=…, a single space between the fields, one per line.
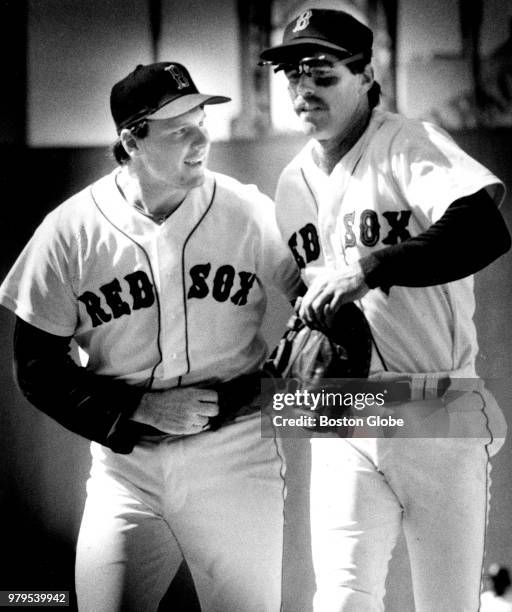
x=328 y=153
x=153 y=200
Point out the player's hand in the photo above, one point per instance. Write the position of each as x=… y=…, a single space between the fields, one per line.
x=328 y=292
x=180 y=411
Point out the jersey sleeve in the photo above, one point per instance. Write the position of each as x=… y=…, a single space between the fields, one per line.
x=278 y=268
x=40 y=286
x=96 y=407
x=432 y=171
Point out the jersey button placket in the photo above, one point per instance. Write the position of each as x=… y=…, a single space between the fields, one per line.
x=171 y=303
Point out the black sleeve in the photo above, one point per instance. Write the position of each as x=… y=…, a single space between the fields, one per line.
x=96 y=407
x=469 y=236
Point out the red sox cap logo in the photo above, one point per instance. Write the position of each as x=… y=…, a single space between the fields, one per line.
x=302 y=21
x=178 y=75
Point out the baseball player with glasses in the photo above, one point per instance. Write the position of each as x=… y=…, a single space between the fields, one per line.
x=390 y=214
x=159 y=272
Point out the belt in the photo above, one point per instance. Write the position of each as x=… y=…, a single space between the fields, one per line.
x=407 y=388
x=235 y=399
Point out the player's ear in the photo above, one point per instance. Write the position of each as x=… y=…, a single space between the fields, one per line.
x=367 y=78
x=128 y=141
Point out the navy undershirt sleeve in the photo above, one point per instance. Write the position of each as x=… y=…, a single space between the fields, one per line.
x=468 y=237
x=93 y=406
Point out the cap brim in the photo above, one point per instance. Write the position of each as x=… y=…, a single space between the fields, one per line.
x=182 y=105
x=299 y=46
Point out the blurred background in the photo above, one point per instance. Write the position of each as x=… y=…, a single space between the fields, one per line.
x=449 y=61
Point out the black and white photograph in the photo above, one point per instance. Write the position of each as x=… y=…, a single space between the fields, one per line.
x=256 y=305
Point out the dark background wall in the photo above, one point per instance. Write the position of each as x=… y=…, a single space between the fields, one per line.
x=44 y=467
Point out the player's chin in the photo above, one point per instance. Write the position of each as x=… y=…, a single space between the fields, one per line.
x=311 y=127
x=194 y=175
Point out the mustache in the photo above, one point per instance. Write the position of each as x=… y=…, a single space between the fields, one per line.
x=301 y=104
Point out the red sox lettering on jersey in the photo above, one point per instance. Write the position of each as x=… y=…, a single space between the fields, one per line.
x=141 y=290
x=367 y=231
x=121 y=278
x=395 y=182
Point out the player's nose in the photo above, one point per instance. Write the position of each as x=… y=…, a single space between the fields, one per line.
x=201 y=137
x=305 y=85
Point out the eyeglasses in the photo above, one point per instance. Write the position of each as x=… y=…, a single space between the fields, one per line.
x=318 y=68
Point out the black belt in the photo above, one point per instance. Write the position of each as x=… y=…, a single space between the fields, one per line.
x=237 y=397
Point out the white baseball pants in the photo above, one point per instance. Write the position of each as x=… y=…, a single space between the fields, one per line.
x=215 y=499
x=365 y=491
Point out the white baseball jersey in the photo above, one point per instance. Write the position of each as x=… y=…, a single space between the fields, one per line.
x=490 y=602
x=396 y=181
x=179 y=302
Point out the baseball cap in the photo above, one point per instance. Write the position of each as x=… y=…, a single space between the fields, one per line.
x=314 y=29
x=162 y=90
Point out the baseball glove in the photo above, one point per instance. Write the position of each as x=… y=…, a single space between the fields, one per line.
x=344 y=351
x=311 y=359
x=328 y=361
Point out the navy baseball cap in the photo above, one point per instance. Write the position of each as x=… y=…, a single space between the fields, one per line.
x=163 y=91
x=321 y=29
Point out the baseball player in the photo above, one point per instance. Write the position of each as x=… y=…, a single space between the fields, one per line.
x=391 y=214
x=159 y=272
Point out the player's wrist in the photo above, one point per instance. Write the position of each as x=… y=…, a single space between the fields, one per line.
x=144 y=412
x=372 y=271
